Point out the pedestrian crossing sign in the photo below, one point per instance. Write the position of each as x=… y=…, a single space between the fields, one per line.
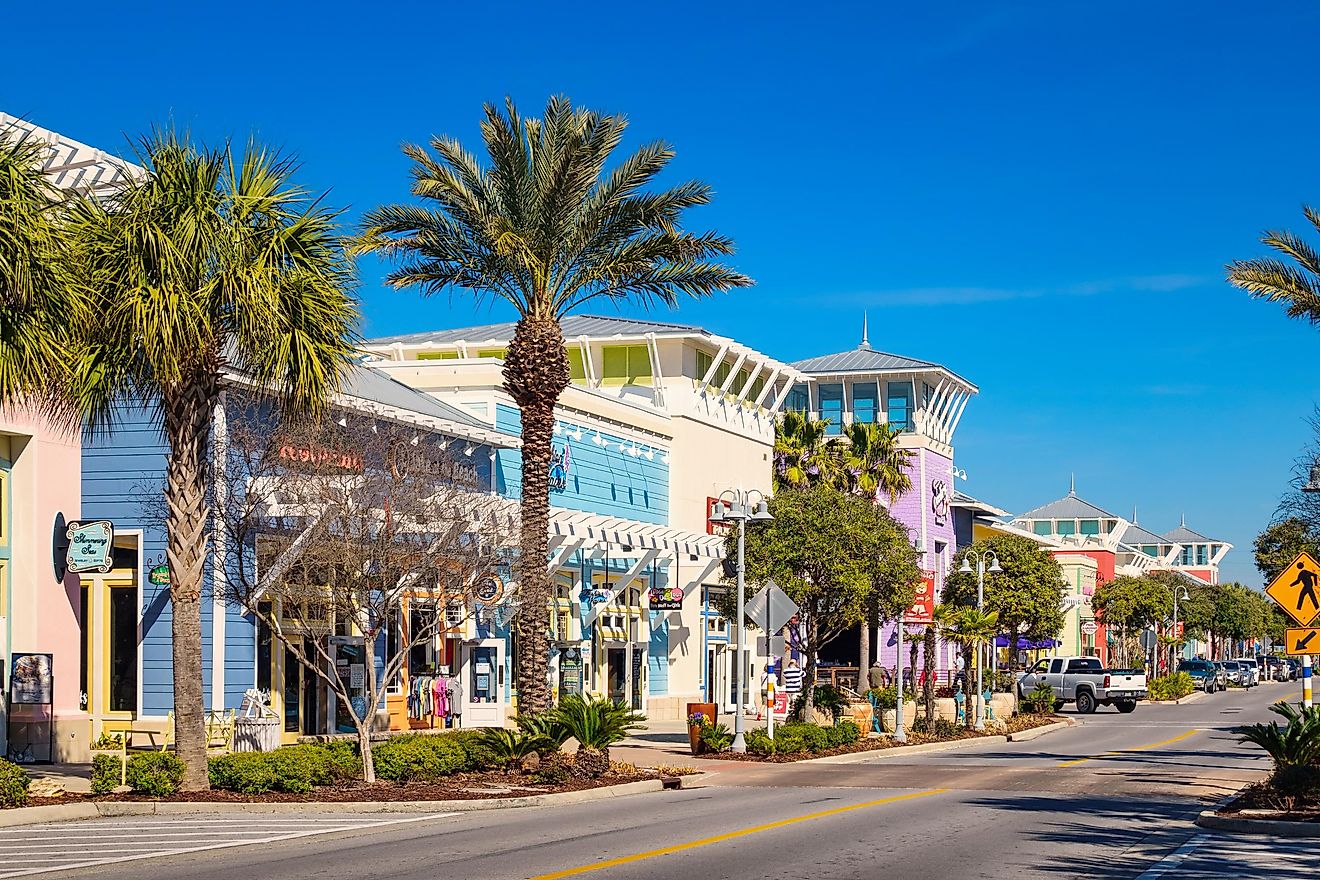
x=1297 y=589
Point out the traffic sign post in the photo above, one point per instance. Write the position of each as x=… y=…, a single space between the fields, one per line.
x=1297 y=592
x=771 y=609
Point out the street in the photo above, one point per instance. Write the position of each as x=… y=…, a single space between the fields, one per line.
x=1112 y=797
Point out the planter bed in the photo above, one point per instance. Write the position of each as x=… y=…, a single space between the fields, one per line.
x=1260 y=801
x=461 y=786
x=1017 y=724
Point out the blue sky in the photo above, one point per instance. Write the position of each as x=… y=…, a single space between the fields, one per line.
x=1041 y=196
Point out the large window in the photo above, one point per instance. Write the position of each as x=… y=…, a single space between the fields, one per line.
x=577 y=368
x=1065 y=527
x=1042 y=527
x=437 y=356
x=898 y=405
x=1202 y=558
x=798 y=399
x=1090 y=527
x=626 y=365
x=831 y=407
x=1186 y=558
x=864 y=402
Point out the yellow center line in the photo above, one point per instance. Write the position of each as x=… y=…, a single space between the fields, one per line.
x=1165 y=742
x=732 y=835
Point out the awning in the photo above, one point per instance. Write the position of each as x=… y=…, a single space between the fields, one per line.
x=597 y=531
x=1026 y=644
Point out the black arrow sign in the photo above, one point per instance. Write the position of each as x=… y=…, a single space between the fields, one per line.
x=1302 y=643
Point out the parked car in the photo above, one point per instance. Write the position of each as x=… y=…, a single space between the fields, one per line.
x=1294 y=667
x=1203 y=672
x=1085 y=681
x=1221 y=674
x=1279 y=668
x=1252 y=667
x=1238 y=674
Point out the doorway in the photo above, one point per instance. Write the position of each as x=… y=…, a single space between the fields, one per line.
x=110 y=645
x=485 y=692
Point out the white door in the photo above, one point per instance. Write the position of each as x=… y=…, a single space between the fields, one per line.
x=485 y=690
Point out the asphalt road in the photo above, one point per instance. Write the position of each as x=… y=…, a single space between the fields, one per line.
x=1110 y=798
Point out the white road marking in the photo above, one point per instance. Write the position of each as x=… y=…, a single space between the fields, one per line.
x=1173 y=859
x=41 y=862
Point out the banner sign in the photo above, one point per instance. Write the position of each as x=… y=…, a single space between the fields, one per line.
x=32 y=682
x=91 y=546
x=665 y=598
x=923 y=606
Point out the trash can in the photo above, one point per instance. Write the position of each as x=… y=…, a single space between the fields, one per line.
x=256 y=734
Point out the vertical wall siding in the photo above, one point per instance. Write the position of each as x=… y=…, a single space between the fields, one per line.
x=601 y=479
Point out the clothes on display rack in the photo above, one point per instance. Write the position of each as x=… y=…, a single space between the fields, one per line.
x=434 y=697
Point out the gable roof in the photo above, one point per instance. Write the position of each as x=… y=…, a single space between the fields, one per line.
x=573 y=326
x=1184 y=535
x=1068 y=507
x=1135 y=534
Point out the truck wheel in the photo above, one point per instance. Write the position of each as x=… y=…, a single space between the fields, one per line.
x=1126 y=706
x=1085 y=703
x=1058 y=704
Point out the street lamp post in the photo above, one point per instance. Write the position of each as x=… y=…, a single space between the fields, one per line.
x=737 y=510
x=1312 y=485
x=1186 y=597
x=966 y=568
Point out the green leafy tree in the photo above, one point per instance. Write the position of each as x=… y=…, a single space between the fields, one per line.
x=1132 y=604
x=1293 y=282
x=1027 y=595
x=1281 y=542
x=544 y=227
x=208 y=262
x=831 y=552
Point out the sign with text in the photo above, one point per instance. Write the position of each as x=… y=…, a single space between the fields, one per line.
x=923 y=606
x=665 y=598
x=1300 y=641
x=91 y=546
x=1297 y=589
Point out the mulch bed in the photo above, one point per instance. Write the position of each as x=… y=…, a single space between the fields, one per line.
x=1017 y=724
x=1271 y=804
x=460 y=787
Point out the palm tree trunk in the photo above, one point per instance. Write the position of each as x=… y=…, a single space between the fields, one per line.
x=535 y=374
x=928 y=667
x=187 y=413
x=864 y=655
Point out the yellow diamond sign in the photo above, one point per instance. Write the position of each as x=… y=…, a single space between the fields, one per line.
x=1297 y=589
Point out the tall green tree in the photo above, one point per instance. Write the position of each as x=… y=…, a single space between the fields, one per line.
x=1130 y=605
x=1280 y=543
x=832 y=553
x=1027 y=595
x=871 y=463
x=37 y=313
x=1293 y=282
x=209 y=262
x=546 y=227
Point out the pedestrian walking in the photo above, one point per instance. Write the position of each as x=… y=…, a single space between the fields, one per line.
x=792 y=679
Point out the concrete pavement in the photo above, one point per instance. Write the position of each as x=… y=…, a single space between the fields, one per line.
x=1113 y=797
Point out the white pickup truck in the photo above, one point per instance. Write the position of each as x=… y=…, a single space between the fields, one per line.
x=1085 y=681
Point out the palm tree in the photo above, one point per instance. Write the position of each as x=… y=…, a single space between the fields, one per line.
x=803 y=457
x=871 y=463
x=1295 y=284
x=545 y=228
x=36 y=311
x=943 y=618
x=208 y=262
x=971 y=629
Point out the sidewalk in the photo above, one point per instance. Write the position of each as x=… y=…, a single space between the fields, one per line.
x=76 y=778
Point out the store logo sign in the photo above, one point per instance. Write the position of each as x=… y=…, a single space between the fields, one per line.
x=91 y=546
x=561 y=465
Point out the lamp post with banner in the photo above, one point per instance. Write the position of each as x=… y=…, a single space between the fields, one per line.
x=739 y=509
x=982 y=558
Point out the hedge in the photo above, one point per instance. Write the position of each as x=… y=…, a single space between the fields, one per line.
x=798 y=737
x=13 y=784
x=158 y=774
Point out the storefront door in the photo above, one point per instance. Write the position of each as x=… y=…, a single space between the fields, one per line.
x=110 y=645
x=485 y=689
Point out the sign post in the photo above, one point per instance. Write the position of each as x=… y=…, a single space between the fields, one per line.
x=771 y=609
x=1297 y=591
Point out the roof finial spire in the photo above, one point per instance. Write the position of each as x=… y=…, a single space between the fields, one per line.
x=1183 y=519
x=1072 y=484
x=1134 y=514
x=866 y=342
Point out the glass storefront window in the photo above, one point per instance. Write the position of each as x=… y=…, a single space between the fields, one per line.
x=898 y=405
x=864 y=402
x=831 y=407
x=123 y=649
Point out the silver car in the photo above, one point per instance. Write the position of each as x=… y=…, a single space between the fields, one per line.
x=1221 y=674
x=1237 y=673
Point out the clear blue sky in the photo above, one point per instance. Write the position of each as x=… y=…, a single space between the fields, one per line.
x=1041 y=196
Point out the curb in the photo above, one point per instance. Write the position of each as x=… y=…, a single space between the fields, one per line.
x=1190 y=698
x=74 y=812
x=1038 y=732
x=1274 y=827
x=924 y=748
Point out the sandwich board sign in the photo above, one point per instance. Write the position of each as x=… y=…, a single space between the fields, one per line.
x=1297 y=589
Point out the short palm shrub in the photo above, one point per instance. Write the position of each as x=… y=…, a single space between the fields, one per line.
x=716 y=737
x=157 y=774
x=14 y=784
x=1171 y=687
x=1295 y=745
x=106 y=770
x=508 y=746
x=546 y=726
x=1038 y=702
x=596 y=722
x=419 y=758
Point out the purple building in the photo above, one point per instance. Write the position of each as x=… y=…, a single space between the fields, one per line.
x=927 y=401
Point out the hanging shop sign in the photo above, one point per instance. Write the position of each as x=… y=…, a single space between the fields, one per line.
x=91 y=546
x=665 y=598
x=940 y=499
x=923 y=606
x=489 y=589
x=159 y=575
x=32 y=681
x=1090 y=627
x=561 y=465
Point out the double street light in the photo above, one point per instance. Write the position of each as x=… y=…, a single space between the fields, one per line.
x=743 y=506
x=982 y=559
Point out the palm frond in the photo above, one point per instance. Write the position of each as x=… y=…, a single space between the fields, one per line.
x=1294 y=284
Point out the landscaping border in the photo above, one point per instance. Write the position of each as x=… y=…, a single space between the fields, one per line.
x=947 y=745
x=95 y=809
x=1274 y=827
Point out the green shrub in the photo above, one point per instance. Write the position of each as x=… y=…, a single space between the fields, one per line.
x=157 y=774
x=419 y=758
x=886 y=699
x=1038 y=702
x=844 y=733
x=106 y=773
x=1171 y=687
x=546 y=726
x=108 y=742
x=759 y=742
x=556 y=769
x=498 y=746
x=716 y=737
x=798 y=736
x=943 y=727
x=1295 y=745
x=343 y=753
x=294 y=769
x=13 y=784
x=595 y=722
x=826 y=697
